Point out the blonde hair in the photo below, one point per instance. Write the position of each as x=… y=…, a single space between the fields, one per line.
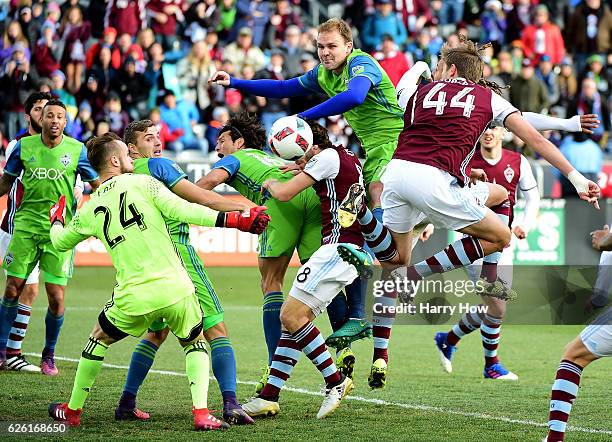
x=338 y=25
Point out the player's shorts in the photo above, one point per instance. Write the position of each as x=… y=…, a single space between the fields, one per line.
x=377 y=159
x=5 y=239
x=295 y=224
x=414 y=191
x=204 y=290
x=27 y=249
x=319 y=280
x=597 y=337
x=480 y=191
x=183 y=317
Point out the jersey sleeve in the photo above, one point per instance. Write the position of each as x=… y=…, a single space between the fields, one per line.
x=323 y=166
x=84 y=168
x=14 y=164
x=527 y=180
x=166 y=171
x=362 y=66
x=310 y=80
x=77 y=230
x=501 y=108
x=230 y=164
x=174 y=207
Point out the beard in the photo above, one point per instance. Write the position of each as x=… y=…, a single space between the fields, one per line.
x=35 y=126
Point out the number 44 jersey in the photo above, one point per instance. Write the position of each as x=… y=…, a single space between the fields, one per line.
x=443 y=122
x=127 y=214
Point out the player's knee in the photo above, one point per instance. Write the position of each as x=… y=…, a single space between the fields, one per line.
x=29 y=294
x=14 y=286
x=503 y=240
x=157 y=338
x=577 y=353
x=216 y=331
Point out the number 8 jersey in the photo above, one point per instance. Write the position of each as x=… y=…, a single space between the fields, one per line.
x=443 y=122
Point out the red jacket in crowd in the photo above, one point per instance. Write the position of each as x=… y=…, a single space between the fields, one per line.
x=161 y=7
x=126 y=16
x=545 y=40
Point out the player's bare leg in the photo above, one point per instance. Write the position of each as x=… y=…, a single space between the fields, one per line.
x=272 y=272
x=14 y=358
x=53 y=323
x=576 y=357
x=8 y=311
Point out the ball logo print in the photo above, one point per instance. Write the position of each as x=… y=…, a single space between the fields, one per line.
x=290 y=137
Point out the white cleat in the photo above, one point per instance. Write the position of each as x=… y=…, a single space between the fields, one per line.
x=333 y=397
x=20 y=363
x=258 y=407
x=508 y=377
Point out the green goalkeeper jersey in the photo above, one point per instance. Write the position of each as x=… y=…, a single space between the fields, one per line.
x=248 y=169
x=379 y=119
x=127 y=213
x=46 y=174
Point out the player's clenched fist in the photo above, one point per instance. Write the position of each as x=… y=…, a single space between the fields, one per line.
x=221 y=78
x=58 y=211
x=254 y=221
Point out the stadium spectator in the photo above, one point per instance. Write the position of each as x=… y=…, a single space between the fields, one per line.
x=91 y=93
x=126 y=16
x=518 y=19
x=165 y=135
x=414 y=14
x=13 y=34
x=393 y=61
x=47 y=51
x=595 y=70
x=204 y=15
x=74 y=33
x=112 y=113
x=182 y=115
x=505 y=68
x=145 y=39
x=589 y=29
x=284 y=16
x=220 y=117
x=585 y=155
x=15 y=83
x=382 y=22
x=272 y=108
x=568 y=86
x=543 y=37
x=590 y=101
x=244 y=51
x=154 y=72
x=548 y=76
x=128 y=48
x=493 y=23
x=292 y=50
x=166 y=14
x=83 y=126
x=420 y=49
x=253 y=15
x=527 y=92
x=450 y=12
x=227 y=12
x=193 y=74
x=133 y=88
x=108 y=39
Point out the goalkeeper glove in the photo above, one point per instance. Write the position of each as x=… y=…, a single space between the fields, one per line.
x=253 y=221
x=58 y=211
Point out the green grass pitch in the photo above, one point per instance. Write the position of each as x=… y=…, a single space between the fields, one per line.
x=420 y=403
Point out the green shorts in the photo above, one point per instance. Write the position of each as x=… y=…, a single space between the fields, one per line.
x=26 y=249
x=204 y=290
x=377 y=159
x=295 y=224
x=183 y=317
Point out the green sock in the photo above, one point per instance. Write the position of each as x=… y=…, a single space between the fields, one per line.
x=196 y=366
x=87 y=371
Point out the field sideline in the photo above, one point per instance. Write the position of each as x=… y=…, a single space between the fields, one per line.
x=420 y=403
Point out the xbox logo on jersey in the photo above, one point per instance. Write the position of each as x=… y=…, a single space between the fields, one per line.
x=42 y=173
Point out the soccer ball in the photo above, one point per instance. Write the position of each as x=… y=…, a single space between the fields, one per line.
x=290 y=137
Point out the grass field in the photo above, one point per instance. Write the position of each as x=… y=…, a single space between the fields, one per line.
x=420 y=403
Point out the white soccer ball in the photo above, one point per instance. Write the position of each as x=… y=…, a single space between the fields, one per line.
x=290 y=137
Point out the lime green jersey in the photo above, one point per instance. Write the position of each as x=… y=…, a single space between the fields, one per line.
x=46 y=174
x=379 y=119
x=128 y=214
x=248 y=169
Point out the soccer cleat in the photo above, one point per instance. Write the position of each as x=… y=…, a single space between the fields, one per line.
x=259 y=407
x=20 y=363
x=204 y=421
x=357 y=257
x=60 y=412
x=333 y=397
x=233 y=414
x=263 y=380
x=378 y=374
x=131 y=414
x=351 y=331
x=446 y=351
x=498 y=290
x=345 y=362
x=47 y=366
x=498 y=371
x=350 y=205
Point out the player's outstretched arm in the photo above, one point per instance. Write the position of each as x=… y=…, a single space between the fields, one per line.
x=355 y=94
x=195 y=194
x=409 y=82
x=577 y=123
x=288 y=189
x=213 y=178
x=587 y=190
x=262 y=88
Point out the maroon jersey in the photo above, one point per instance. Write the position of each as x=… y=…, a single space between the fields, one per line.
x=335 y=170
x=506 y=172
x=443 y=122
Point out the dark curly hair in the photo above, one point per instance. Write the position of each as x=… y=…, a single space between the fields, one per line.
x=246 y=125
x=320 y=135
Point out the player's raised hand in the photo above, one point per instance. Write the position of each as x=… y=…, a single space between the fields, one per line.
x=58 y=211
x=598 y=237
x=293 y=168
x=589 y=122
x=478 y=175
x=519 y=232
x=591 y=194
x=254 y=221
x=221 y=78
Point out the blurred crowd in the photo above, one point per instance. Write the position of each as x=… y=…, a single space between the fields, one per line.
x=111 y=61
